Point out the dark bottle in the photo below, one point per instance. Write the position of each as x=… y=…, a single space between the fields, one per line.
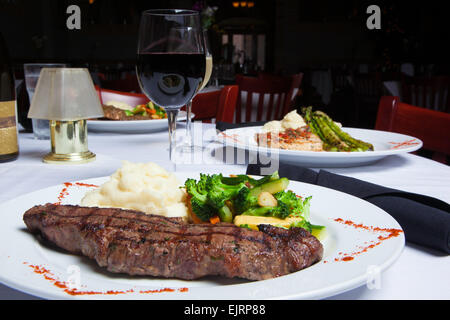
x=9 y=148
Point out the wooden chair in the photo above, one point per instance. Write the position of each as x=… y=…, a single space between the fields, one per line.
x=341 y=79
x=219 y=105
x=427 y=92
x=432 y=127
x=279 y=89
x=368 y=91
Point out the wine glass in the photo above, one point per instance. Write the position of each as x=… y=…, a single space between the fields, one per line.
x=171 y=61
x=208 y=72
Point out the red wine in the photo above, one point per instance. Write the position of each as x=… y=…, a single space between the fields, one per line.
x=170 y=79
x=9 y=149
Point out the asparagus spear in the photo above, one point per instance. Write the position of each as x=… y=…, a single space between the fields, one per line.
x=312 y=123
x=358 y=144
x=331 y=137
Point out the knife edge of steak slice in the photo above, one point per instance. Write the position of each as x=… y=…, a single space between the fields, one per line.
x=134 y=243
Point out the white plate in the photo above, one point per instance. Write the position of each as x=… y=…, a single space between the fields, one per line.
x=20 y=251
x=385 y=144
x=136 y=126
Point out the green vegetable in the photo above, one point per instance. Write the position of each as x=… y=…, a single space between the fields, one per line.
x=215 y=195
x=247 y=198
x=219 y=192
x=307 y=226
x=272 y=187
x=333 y=138
x=250 y=181
x=199 y=198
x=209 y=194
x=225 y=214
x=298 y=207
x=244 y=201
x=281 y=211
x=363 y=146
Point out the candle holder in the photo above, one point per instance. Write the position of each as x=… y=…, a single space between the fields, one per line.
x=66 y=97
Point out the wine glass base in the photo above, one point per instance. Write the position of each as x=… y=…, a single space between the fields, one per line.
x=189 y=149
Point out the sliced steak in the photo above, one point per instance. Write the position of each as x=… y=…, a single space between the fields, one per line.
x=126 y=241
x=113 y=113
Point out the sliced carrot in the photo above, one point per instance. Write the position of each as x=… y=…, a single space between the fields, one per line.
x=194 y=217
x=214 y=220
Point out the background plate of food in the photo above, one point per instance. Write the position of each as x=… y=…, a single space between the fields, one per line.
x=315 y=140
x=360 y=240
x=123 y=118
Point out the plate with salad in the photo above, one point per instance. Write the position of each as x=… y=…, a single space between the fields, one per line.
x=122 y=118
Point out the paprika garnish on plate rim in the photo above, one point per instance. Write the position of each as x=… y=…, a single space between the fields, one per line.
x=65 y=191
x=349 y=256
x=49 y=276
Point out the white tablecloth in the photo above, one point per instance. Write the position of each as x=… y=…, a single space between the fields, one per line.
x=418 y=274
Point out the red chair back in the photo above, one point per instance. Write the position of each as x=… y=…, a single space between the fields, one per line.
x=218 y=104
x=132 y=99
x=432 y=127
x=280 y=92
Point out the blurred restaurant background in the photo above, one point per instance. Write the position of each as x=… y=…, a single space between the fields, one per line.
x=345 y=67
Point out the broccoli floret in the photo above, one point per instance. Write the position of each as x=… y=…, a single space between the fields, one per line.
x=297 y=206
x=218 y=192
x=281 y=211
x=236 y=179
x=302 y=224
x=244 y=201
x=199 y=200
x=209 y=194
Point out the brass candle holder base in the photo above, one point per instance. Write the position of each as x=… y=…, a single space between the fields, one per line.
x=69 y=143
x=72 y=158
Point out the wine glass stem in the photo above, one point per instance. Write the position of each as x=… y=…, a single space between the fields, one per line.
x=172 y=115
x=189 y=123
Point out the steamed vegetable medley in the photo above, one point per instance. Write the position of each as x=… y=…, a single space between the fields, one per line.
x=148 y=110
x=248 y=202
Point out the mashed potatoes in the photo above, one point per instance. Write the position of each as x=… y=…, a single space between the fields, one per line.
x=291 y=121
x=272 y=126
x=119 y=105
x=144 y=187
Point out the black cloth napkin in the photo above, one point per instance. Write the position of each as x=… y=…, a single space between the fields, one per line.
x=425 y=220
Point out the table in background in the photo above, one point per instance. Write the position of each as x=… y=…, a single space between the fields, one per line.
x=418 y=273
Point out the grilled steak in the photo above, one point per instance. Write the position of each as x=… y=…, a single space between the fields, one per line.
x=126 y=241
x=113 y=113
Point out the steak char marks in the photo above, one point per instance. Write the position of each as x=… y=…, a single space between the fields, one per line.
x=126 y=241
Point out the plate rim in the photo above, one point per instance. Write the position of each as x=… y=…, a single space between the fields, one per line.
x=130 y=126
x=325 y=154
